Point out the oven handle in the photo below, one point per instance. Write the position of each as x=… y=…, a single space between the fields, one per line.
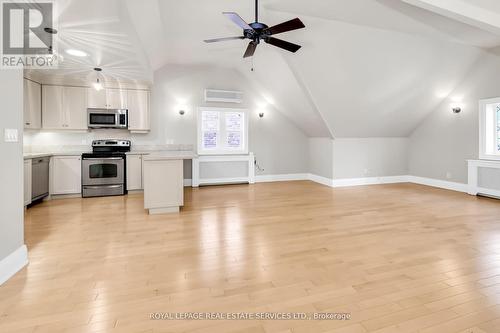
x=102 y=158
x=103 y=186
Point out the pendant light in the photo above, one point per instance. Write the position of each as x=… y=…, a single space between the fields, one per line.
x=97 y=84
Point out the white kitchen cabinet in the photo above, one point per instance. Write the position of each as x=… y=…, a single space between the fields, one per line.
x=134 y=172
x=64 y=108
x=163 y=185
x=66 y=175
x=75 y=108
x=116 y=98
x=96 y=99
x=27 y=182
x=52 y=107
x=106 y=99
x=32 y=104
x=138 y=110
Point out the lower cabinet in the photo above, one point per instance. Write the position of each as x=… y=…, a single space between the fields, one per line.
x=27 y=182
x=134 y=172
x=66 y=177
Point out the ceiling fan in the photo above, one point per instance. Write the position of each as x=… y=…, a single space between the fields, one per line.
x=258 y=32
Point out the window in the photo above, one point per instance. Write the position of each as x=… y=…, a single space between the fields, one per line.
x=222 y=131
x=489 y=129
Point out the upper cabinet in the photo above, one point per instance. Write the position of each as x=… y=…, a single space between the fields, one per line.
x=75 y=105
x=55 y=107
x=52 y=107
x=32 y=105
x=106 y=98
x=96 y=99
x=117 y=98
x=138 y=110
x=64 y=108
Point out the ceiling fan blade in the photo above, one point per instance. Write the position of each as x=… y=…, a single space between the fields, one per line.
x=222 y=39
x=283 y=44
x=294 y=24
x=238 y=20
x=252 y=46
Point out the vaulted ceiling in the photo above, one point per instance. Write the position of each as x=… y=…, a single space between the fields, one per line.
x=367 y=67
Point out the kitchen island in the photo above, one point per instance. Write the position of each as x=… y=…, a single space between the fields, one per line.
x=163 y=178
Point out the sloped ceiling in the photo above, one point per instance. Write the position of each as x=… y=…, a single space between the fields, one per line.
x=368 y=82
x=367 y=67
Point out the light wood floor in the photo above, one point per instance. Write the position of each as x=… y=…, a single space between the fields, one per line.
x=398 y=258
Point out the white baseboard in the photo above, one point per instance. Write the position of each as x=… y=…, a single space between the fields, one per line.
x=394 y=180
x=188 y=182
x=13 y=263
x=222 y=181
x=353 y=181
x=369 y=181
x=320 y=180
x=459 y=187
x=64 y=196
x=281 y=178
x=488 y=192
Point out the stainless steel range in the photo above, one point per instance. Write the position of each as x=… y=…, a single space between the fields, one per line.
x=103 y=170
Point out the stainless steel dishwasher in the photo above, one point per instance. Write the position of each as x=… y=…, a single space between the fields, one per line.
x=39 y=178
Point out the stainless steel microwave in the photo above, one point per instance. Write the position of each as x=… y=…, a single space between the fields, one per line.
x=107 y=118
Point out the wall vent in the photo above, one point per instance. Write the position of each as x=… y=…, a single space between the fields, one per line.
x=224 y=96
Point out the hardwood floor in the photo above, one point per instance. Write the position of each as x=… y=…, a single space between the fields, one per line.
x=398 y=258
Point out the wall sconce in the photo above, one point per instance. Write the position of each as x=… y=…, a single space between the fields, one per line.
x=456 y=108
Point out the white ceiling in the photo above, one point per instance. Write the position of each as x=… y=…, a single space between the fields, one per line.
x=367 y=67
x=103 y=30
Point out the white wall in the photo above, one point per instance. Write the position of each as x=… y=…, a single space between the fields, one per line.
x=442 y=143
x=11 y=164
x=369 y=157
x=279 y=146
x=347 y=158
x=321 y=157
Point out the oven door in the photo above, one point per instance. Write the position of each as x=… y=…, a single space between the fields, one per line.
x=103 y=171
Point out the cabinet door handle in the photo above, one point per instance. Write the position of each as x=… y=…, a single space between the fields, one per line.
x=28 y=123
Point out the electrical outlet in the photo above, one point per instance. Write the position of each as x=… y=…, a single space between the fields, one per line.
x=449 y=175
x=10 y=135
x=366 y=172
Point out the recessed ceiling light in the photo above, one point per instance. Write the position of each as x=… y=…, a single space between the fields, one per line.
x=76 y=53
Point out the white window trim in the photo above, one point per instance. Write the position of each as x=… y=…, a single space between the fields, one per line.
x=483 y=130
x=223 y=110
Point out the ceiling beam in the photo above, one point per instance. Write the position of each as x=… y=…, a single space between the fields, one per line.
x=464 y=11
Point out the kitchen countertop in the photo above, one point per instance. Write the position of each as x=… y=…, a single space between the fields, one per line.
x=28 y=156
x=146 y=152
x=170 y=155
